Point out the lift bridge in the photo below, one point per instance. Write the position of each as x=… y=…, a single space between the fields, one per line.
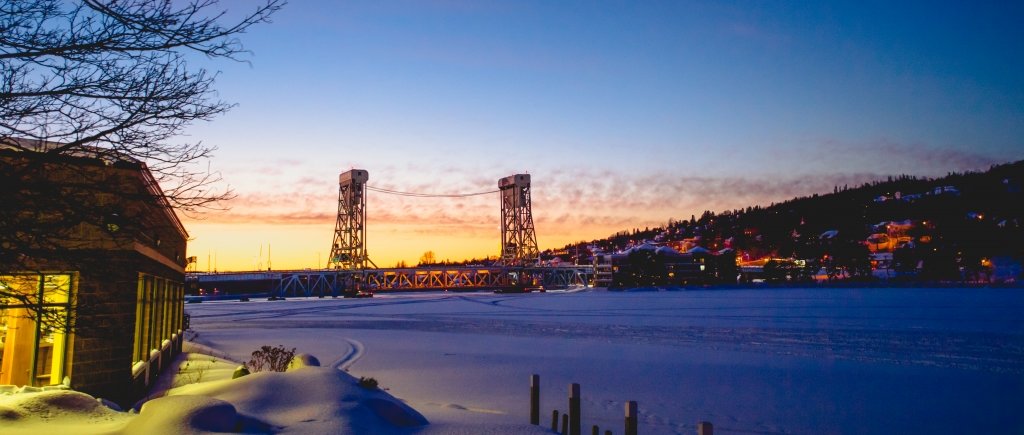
x=350 y=268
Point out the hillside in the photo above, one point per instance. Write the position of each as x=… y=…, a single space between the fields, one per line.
x=943 y=228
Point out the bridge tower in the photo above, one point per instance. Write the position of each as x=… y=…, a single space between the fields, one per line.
x=518 y=238
x=348 y=252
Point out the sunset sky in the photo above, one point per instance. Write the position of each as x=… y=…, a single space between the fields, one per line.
x=625 y=114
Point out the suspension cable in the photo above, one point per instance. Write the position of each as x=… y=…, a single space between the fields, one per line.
x=427 y=195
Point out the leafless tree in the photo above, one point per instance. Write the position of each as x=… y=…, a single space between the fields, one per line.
x=107 y=81
x=428 y=258
x=113 y=77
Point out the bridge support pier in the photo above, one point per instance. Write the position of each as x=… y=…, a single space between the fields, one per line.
x=348 y=252
x=518 y=237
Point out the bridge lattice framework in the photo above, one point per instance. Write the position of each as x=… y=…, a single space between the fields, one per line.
x=349 y=248
x=350 y=268
x=331 y=282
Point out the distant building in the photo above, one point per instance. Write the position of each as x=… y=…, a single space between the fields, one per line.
x=651 y=265
x=107 y=275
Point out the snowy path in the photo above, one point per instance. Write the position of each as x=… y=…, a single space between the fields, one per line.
x=752 y=361
x=356 y=351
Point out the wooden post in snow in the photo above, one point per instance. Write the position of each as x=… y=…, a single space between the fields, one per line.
x=535 y=399
x=565 y=424
x=574 y=410
x=595 y=431
x=705 y=428
x=631 y=418
x=554 y=420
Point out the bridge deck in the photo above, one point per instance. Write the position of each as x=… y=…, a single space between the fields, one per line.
x=332 y=282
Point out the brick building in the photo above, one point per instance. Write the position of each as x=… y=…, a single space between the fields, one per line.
x=91 y=285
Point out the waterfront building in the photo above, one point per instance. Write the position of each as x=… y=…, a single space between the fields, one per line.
x=91 y=280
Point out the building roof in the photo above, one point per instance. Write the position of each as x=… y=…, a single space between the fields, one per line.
x=95 y=155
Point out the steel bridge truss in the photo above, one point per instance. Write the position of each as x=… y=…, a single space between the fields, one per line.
x=337 y=282
x=308 y=283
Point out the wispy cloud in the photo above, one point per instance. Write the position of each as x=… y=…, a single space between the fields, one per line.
x=582 y=205
x=569 y=204
x=936 y=160
x=295 y=218
x=889 y=157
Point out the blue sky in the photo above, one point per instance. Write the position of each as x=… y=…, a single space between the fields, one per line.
x=625 y=113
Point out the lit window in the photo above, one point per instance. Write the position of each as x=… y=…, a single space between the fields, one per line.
x=34 y=352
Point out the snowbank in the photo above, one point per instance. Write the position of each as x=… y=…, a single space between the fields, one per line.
x=58 y=411
x=307 y=400
x=189 y=414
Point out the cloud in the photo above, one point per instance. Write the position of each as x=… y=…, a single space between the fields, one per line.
x=568 y=204
x=936 y=160
x=587 y=205
x=300 y=206
x=462 y=230
x=889 y=157
x=297 y=218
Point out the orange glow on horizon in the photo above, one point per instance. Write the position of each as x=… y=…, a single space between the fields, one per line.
x=295 y=220
x=225 y=247
x=237 y=247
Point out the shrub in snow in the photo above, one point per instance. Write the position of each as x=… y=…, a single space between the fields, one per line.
x=368 y=383
x=239 y=372
x=303 y=360
x=191 y=374
x=274 y=359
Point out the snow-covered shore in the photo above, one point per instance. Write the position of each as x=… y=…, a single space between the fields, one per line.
x=306 y=399
x=751 y=361
x=763 y=361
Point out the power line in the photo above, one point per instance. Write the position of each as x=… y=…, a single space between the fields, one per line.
x=427 y=195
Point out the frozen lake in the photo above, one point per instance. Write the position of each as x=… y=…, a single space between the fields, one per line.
x=766 y=361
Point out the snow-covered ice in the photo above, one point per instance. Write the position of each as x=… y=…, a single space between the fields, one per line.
x=750 y=361
x=761 y=361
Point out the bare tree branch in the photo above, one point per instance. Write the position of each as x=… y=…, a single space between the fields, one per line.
x=107 y=82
